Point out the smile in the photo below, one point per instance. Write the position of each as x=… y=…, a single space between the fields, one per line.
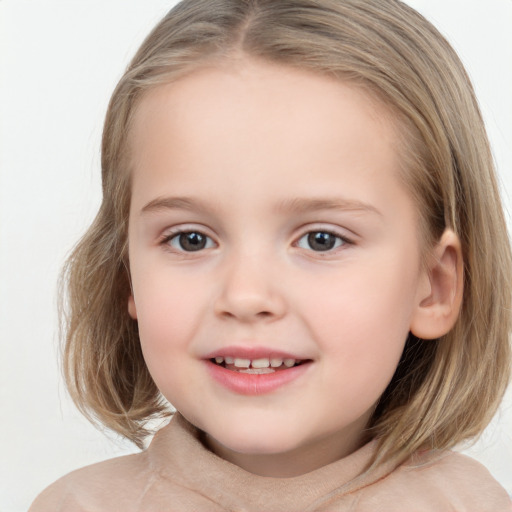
x=261 y=366
x=255 y=371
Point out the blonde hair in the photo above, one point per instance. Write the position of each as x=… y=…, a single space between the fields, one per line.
x=444 y=391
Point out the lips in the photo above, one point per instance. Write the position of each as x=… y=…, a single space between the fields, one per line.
x=254 y=371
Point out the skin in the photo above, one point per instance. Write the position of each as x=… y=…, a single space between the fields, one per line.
x=265 y=155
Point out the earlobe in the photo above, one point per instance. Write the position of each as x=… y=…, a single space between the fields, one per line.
x=132 y=310
x=438 y=309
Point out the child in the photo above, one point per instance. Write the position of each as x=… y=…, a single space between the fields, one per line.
x=294 y=250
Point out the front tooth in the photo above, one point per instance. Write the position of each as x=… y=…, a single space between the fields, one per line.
x=260 y=363
x=289 y=362
x=219 y=360
x=229 y=360
x=242 y=363
x=275 y=363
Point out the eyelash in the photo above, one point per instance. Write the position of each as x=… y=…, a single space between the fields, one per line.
x=339 y=240
x=168 y=239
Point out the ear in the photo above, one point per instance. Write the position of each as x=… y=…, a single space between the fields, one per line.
x=132 y=310
x=439 y=302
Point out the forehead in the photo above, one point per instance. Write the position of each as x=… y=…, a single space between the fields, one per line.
x=242 y=118
x=264 y=91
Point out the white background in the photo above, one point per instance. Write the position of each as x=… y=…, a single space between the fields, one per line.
x=59 y=61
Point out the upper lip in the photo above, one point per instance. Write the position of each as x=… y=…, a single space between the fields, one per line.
x=252 y=352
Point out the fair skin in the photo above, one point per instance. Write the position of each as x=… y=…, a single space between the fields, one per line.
x=300 y=243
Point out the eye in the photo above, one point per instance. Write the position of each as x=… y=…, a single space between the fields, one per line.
x=189 y=241
x=321 y=241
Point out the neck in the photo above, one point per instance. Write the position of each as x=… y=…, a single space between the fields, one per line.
x=299 y=461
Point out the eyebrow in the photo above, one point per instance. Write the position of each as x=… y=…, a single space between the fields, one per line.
x=299 y=205
x=293 y=205
x=174 y=203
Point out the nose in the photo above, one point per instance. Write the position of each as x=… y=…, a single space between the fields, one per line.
x=250 y=290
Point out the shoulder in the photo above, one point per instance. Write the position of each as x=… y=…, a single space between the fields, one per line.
x=96 y=487
x=445 y=481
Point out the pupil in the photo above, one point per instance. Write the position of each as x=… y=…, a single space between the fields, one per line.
x=192 y=241
x=320 y=241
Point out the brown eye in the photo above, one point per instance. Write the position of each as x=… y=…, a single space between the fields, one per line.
x=190 y=241
x=320 y=241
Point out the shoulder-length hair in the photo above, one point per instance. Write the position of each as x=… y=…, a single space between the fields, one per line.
x=445 y=390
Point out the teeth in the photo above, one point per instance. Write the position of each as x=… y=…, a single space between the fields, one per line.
x=258 y=370
x=260 y=363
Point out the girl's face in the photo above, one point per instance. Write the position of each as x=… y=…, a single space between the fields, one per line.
x=269 y=227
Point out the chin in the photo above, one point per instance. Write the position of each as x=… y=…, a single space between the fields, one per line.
x=255 y=439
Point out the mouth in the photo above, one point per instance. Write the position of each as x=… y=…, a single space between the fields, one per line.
x=257 y=370
x=260 y=366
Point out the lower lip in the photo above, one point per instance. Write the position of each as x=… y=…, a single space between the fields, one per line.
x=255 y=384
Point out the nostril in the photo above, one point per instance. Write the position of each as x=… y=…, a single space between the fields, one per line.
x=249 y=304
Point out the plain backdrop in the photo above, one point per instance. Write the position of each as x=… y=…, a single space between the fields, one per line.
x=59 y=62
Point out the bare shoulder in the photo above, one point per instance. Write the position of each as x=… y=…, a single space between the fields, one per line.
x=99 y=486
x=450 y=481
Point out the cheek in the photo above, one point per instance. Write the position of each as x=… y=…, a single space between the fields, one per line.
x=166 y=319
x=168 y=314
x=361 y=320
x=364 y=301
